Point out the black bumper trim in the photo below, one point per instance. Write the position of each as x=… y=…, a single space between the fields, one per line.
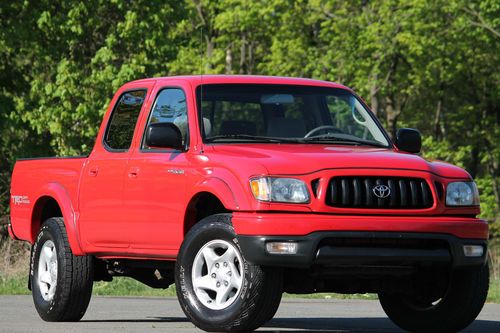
x=311 y=250
x=379 y=256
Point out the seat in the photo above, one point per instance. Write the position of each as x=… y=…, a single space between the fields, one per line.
x=230 y=127
x=207 y=126
x=286 y=127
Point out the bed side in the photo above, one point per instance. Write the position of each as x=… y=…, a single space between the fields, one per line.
x=43 y=188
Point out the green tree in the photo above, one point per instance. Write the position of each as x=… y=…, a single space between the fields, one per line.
x=419 y=63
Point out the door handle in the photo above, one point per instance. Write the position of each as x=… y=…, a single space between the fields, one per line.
x=133 y=172
x=93 y=172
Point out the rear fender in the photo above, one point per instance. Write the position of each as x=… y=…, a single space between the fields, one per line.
x=57 y=192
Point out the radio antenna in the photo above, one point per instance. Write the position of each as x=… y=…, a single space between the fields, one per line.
x=201 y=53
x=202 y=122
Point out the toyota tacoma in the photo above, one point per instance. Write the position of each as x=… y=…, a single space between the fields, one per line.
x=240 y=188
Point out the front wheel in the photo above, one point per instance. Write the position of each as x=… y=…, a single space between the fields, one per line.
x=217 y=288
x=61 y=283
x=460 y=305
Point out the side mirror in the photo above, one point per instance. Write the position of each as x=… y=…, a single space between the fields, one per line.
x=164 y=135
x=409 y=140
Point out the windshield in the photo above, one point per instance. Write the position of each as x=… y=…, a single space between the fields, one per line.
x=285 y=113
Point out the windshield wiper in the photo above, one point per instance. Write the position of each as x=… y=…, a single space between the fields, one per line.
x=343 y=139
x=247 y=137
x=326 y=138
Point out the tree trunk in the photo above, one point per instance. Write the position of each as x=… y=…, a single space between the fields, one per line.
x=250 y=58
x=209 y=35
x=243 y=52
x=393 y=111
x=229 y=60
x=437 y=120
x=494 y=172
x=493 y=167
x=373 y=95
x=475 y=162
x=210 y=51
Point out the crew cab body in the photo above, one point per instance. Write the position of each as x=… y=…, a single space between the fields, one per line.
x=130 y=200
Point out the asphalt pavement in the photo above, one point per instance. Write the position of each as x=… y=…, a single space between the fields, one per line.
x=137 y=314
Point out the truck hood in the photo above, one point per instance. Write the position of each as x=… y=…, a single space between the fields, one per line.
x=281 y=159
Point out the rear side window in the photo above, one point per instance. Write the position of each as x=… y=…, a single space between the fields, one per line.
x=123 y=120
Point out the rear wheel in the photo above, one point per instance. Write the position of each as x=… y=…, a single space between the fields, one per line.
x=217 y=288
x=61 y=283
x=459 y=306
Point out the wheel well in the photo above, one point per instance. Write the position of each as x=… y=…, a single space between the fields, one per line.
x=45 y=207
x=203 y=204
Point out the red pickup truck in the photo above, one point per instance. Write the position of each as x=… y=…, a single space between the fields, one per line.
x=240 y=188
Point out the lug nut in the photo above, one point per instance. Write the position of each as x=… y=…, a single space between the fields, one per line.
x=225 y=264
x=229 y=273
x=226 y=283
x=216 y=265
x=214 y=275
x=218 y=284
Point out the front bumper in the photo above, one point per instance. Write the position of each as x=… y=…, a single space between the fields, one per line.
x=332 y=240
x=397 y=249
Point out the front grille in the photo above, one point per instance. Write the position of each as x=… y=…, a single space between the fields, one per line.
x=358 y=192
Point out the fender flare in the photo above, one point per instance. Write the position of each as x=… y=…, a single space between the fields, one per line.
x=57 y=192
x=220 y=189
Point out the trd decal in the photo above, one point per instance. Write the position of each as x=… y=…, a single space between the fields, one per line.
x=20 y=200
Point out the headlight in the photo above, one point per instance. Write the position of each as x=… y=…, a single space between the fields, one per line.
x=462 y=194
x=279 y=189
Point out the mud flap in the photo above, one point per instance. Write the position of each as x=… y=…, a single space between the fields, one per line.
x=30 y=275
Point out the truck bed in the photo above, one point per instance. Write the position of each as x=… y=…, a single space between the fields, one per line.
x=36 y=177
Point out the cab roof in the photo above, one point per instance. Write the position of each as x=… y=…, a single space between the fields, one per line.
x=196 y=80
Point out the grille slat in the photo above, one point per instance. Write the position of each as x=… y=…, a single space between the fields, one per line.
x=333 y=192
x=414 y=193
x=393 y=199
x=358 y=191
x=403 y=193
x=426 y=194
x=369 y=198
x=345 y=192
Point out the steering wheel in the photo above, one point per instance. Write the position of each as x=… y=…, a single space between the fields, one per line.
x=330 y=128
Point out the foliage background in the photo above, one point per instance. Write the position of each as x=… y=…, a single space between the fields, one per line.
x=429 y=64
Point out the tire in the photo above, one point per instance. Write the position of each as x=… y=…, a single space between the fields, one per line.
x=61 y=283
x=460 y=305
x=252 y=295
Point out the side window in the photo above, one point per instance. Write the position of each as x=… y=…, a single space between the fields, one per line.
x=170 y=107
x=122 y=123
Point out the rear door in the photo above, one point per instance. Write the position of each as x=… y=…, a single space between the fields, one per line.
x=102 y=210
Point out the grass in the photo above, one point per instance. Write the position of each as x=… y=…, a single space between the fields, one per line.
x=494 y=292
x=128 y=287
x=122 y=286
x=14 y=285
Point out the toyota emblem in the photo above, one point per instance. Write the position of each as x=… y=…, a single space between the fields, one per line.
x=381 y=191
